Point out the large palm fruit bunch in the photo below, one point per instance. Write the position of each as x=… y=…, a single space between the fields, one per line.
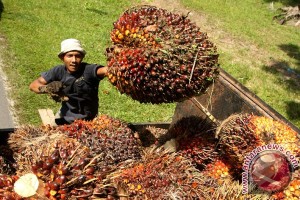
x=106 y=136
x=240 y=134
x=237 y=139
x=74 y=172
x=274 y=131
x=158 y=56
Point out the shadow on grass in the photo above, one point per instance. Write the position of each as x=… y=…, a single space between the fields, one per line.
x=97 y=11
x=290 y=76
x=285 y=2
x=293 y=109
x=1 y=8
x=282 y=68
x=292 y=51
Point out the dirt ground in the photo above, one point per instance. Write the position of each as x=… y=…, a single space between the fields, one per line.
x=5 y=91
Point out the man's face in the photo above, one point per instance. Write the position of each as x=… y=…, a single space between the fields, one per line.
x=72 y=60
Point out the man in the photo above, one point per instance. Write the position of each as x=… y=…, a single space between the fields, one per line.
x=73 y=83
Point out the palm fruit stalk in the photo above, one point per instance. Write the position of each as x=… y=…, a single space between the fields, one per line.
x=233 y=190
x=240 y=134
x=160 y=57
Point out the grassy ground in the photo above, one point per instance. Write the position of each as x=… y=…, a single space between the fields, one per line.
x=258 y=52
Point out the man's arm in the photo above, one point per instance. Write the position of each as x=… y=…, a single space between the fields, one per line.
x=34 y=86
x=101 y=72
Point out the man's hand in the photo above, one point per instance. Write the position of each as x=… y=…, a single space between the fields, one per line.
x=55 y=90
x=53 y=87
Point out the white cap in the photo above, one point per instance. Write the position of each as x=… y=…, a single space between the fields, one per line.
x=71 y=45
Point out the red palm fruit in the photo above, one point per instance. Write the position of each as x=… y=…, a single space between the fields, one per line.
x=164 y=43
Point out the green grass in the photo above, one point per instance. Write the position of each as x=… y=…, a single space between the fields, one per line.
x=254 y=49
x=34 y=30
x=265 y=56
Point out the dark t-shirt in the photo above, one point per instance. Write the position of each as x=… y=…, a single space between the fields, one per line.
x=81 y=88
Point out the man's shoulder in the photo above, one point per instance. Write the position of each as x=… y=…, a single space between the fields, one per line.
x=55 y=73
x=90 y=65
x=89 y=68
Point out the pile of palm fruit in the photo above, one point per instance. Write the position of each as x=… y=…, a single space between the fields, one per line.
x=105 y=159
x=71 y=161
x=159 y=57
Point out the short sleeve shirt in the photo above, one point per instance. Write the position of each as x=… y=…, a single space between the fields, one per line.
x=81 y=88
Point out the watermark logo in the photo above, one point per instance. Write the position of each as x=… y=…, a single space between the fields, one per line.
x=268 y=168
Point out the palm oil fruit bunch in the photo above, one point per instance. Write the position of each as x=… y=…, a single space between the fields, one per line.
x=39 y=147
x=199 y=150
x=240 y=134
x=68 y=172
x=29 y=143
x=160 y=57
x=160 y=176
x=237 y=138
x=109 y=138
x=7 y=187
x=291 y=192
